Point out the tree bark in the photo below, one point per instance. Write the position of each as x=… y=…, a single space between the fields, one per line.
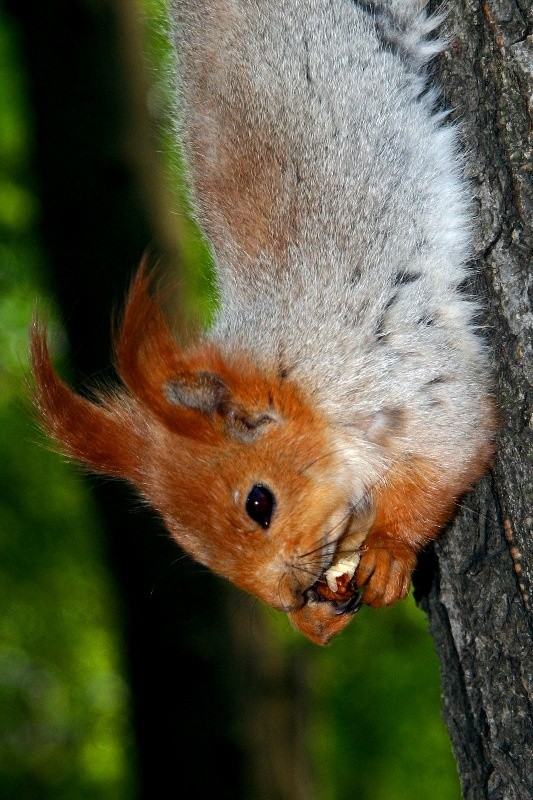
x=479 y=599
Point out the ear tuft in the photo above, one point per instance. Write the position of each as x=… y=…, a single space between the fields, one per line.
x=146 y=354
x=104 y=436
x=203 y=391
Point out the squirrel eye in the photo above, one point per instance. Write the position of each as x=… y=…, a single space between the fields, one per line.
x=260 y=505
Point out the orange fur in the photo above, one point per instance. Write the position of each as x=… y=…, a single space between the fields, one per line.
x=105 y=435
x=319 y=622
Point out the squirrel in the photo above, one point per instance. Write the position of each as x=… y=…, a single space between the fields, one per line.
x=319 y=434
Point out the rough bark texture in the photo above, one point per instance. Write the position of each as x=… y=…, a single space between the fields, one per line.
x=480 y=600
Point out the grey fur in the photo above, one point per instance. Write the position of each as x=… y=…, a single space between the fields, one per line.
x=352 y=286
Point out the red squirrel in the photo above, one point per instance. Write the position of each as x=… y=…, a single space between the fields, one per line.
x=319 y=434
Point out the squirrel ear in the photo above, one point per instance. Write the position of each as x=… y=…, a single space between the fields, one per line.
x=177 y=387
x=148 y=359
x=146 y=353
x=208 y=393
x=203 y=391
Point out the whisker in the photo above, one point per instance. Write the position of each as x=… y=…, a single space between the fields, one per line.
x=284 y=577
x=166 y=569
x=468 y=510
x=326 y=544
x=313 y=573
x=317 y=558
x=347 y=552
x=322 y=548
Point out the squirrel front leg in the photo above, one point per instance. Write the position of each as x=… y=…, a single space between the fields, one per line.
x=412 y=504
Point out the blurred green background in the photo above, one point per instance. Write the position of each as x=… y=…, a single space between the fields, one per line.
x=358 y=719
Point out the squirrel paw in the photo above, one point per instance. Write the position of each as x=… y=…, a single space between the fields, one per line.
x=384 y=573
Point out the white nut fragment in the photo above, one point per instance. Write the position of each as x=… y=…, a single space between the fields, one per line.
x=346 y=566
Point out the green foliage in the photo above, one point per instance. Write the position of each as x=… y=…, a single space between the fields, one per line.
x=64 y=723
x=377 y=723
x=63 y=699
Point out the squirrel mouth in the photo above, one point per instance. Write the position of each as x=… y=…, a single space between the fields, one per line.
x=336 y=584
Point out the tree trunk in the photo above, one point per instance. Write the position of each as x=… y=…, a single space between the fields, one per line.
x=480 y=597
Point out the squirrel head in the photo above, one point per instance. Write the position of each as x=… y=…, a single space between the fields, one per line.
x=243 y=471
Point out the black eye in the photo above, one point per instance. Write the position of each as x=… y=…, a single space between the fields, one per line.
x=260 y=505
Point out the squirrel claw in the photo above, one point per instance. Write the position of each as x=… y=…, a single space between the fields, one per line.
x=384 y=575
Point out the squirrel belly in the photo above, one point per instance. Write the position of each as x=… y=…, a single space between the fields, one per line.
x=321 y=432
